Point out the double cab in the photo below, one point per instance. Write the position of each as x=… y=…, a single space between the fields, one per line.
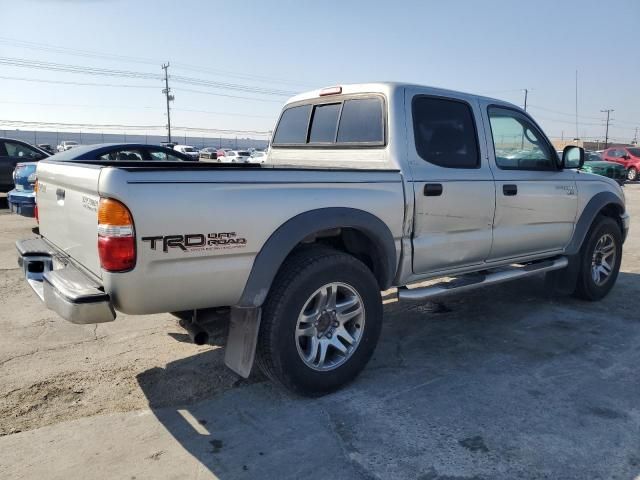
x=368 y=187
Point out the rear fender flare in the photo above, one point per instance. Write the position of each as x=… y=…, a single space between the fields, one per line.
x=295 y=230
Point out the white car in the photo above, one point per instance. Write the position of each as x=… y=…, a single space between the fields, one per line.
x=67 y=145
x=193 y=152
x=236 y=156
x=258 y=157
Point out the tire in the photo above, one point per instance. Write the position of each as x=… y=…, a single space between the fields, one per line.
x=297 y=292
x=604 y=229
x=632 y=174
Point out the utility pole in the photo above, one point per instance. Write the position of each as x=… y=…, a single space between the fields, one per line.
x=167 y=92
x=526 y=93
x=606 y=135
x=635 y=137
x=577 y=139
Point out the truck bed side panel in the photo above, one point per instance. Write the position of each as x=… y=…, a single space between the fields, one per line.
x=234 y=213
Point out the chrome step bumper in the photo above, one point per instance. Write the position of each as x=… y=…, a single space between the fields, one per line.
x=68 y=291
x=491 y=277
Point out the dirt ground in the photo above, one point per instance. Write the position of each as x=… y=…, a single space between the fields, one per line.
x=505 y=382
x=52 y=370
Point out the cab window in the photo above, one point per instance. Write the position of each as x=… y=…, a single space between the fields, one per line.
x=518 y=144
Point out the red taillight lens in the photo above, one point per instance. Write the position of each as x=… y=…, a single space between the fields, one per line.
x=117 y=253
x=116 y=236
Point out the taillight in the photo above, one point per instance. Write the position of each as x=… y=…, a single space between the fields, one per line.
x=116 y=236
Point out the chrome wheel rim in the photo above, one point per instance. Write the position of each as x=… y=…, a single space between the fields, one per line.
x=603 y=259
x=632 y=173
x=330 y=326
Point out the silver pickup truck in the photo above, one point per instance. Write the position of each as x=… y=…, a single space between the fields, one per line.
x=367 y=187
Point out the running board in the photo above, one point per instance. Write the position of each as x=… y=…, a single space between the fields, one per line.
x=475 y=280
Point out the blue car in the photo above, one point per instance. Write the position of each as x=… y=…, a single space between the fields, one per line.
x=22 y=199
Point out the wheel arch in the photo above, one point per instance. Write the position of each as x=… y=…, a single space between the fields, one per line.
x=603 y=203
x=352 y=230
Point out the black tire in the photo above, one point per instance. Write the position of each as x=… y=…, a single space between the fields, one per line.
x=632 y=174
x=302 y=274
x=586 y=287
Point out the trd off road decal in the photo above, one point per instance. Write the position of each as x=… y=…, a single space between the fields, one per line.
x=197 y=242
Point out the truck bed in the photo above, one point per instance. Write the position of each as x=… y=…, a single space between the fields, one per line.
x=246 y=203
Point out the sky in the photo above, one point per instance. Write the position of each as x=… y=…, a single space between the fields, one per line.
x=265 y=51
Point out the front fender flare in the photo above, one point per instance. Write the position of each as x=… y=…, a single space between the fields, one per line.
x=591 y=210
x=292 y=232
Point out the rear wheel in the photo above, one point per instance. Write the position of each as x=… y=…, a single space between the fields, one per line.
x=632 y=174
x=321 y=321
x=600 y=259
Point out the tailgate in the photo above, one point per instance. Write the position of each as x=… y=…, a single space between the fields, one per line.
x=68 y=210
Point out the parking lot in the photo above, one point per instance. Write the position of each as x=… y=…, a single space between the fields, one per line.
x=502 y=383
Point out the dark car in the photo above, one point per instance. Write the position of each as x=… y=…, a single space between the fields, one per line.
x=209 y=153
x=13 y=152
x=22 y=199
x=128 y=152
x=46 y=147
x=593 y=163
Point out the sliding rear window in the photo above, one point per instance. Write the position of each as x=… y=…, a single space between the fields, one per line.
x=346 y=122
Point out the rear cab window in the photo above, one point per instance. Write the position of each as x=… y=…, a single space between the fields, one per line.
x=335 y=122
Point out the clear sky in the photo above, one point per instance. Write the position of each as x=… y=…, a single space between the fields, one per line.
x=495 y=47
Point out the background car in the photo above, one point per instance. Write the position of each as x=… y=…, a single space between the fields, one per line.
x=209 y=153
x=236 y=156
x=628 y=157
x=593 y=163
x=67 y=145
x=13 y=152
x=117 y=152
x=22 y=199
x=46 y=147
x=188 y=150
x=258 y=157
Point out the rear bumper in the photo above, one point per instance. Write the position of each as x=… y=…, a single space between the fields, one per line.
x=22 y=203
x=67 y=290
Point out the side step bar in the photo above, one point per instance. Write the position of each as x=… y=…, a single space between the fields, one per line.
x=475 y=280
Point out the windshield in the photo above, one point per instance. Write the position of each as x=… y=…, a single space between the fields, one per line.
x=244 y=154
x=189 y=149
x=634 y=151
x=71 y=143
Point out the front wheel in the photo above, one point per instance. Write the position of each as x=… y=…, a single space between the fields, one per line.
x=632 y=174
x=321 y=321
x=600 y=259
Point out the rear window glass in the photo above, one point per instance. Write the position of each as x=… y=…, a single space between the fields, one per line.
x=293 y=125
x=352 y=121
x=444 y=132
x=361 y=121
x=324 y=122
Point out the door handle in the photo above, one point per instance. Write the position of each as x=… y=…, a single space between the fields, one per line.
x=432 y=189
x=510 y=190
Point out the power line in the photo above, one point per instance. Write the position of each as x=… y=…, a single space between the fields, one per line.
x=139 y=60
x=63 y=82
x=77 y=69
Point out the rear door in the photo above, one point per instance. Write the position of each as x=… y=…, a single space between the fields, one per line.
x=452 y=182
x=536 y=203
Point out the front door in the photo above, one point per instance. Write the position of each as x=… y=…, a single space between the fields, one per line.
x=454 y=194
x=536 y=202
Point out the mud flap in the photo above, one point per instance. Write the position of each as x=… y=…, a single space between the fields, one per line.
x=563 y=282
x=244 y=324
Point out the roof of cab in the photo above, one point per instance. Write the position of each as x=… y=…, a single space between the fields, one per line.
x=388 y=88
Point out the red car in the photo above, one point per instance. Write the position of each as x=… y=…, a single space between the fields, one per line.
x=628 y=157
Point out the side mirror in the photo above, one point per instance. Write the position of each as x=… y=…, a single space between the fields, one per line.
x=572 y=157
